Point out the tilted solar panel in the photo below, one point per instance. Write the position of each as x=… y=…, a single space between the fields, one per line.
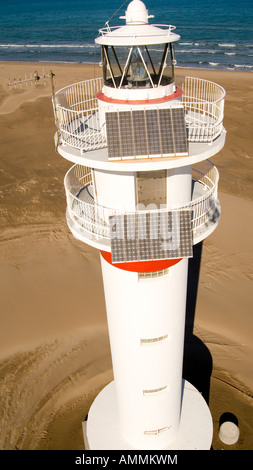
x=146 y=133
x=147 y=235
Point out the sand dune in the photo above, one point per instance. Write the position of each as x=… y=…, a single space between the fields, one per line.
x=53 y=382
x=55 y=354
x=225 y=299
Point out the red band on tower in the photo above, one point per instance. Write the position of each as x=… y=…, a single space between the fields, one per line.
x=102 y=97
x=141 y=266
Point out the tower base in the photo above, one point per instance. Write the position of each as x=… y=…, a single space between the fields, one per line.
x=102 y=431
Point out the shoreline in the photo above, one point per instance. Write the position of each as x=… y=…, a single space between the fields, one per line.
x=96 y=64
x=55 y=354
x=207 y=69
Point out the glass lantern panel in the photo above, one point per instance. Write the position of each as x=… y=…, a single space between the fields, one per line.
x=137 y=74
x=161 y=60
x=113 y=61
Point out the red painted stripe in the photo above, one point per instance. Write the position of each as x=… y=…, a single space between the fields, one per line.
x=102 y=97
x=141 y=266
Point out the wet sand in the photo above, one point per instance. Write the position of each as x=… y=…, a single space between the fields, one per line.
x=55 y=353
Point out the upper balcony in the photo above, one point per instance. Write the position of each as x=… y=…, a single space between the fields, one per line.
x=80 y=132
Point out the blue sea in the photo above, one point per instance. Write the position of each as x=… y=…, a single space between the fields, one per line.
x=215 y=34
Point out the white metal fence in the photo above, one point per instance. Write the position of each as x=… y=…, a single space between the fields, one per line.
x=204 y=207
x=79 y=96
x=94 y=218
x=204 y=105
x=77 y=117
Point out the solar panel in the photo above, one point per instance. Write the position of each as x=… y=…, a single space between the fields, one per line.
x=153 y=132
x=179 y=129
x=139 y=130
x=146 y=133
x=113 y=135
x=127 y=143
x=145 y=236
x=166 y=128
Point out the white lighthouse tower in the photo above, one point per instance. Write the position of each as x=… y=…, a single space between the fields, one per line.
x=143 y=191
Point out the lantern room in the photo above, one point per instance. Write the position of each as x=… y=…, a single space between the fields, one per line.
x=137 y=55
x=138 y=66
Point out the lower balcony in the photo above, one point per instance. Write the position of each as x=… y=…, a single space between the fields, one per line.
x=90 y=222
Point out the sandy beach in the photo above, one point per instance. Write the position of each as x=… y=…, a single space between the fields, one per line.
x=54 y=346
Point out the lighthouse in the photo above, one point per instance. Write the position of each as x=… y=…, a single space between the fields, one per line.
x=143 y=191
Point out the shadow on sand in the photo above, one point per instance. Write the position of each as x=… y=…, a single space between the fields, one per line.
x=197 y=364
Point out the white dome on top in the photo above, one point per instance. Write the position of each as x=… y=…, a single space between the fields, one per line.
x=137 y=31
x=136 y=13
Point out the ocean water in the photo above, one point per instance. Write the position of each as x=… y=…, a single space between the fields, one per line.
x=215 y=34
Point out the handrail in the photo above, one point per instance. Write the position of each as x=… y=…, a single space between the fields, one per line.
x=209 y=91
x=107 y=29
x=91 y=86
x=204 y=104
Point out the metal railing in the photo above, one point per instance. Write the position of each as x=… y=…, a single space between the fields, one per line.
x=79 y=96
x=204 y=105
x=76 y=115
x=204 y=207
x=109 y=29
x=78 y=123
x=94 y=218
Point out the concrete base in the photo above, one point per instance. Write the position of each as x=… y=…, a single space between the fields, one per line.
x=102 y=430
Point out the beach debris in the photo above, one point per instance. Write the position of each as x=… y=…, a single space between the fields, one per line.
x=229 y=433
